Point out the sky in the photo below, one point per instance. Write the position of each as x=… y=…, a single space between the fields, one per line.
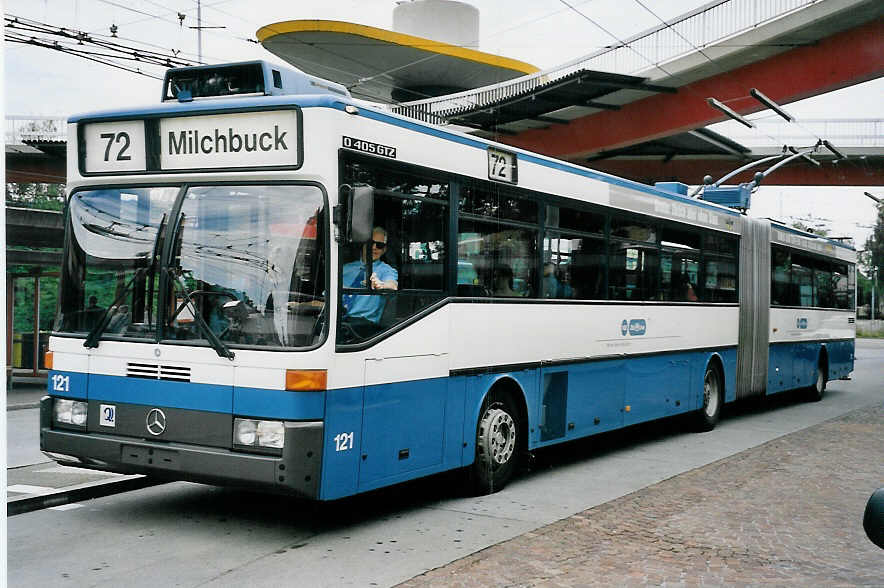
x=545 y=33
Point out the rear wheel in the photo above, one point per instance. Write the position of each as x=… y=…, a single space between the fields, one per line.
x=497 y=443
x=818 y=388
x=713 y=398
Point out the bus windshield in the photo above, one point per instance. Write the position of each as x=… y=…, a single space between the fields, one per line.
x=246 y=262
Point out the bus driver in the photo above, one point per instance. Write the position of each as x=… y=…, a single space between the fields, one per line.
x=362 y=308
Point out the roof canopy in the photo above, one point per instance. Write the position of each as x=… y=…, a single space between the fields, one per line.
x=382 y=65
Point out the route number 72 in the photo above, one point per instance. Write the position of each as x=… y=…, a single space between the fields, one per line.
x=119 y=138
x=502 y=166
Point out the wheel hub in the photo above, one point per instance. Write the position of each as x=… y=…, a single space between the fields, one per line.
x=497 y=436
x=710 y=391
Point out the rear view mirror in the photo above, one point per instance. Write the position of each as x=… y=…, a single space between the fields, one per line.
x=361 y=213
x=873 y=521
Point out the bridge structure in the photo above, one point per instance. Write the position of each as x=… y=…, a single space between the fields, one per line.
x=641 y=107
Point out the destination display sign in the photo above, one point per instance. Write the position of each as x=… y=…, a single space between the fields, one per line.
x=245 y=140
x=251 y=139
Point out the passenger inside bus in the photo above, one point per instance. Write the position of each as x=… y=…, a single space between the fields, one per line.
x=503 y=281
x=92 y=313
x=550 y=281
x=690 y=294
x=363 y=312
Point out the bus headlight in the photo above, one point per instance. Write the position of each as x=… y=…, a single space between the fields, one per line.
x=70 y=412
x=271 y=434
x=255 y=433
x=78 y=413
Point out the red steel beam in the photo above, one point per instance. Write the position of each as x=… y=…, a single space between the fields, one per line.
x=847 y=58
x=852 y=172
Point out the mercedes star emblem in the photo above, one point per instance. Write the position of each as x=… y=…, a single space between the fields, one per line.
x=156 y=421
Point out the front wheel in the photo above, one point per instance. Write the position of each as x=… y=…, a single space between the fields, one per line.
x=497 y=444
x=713 y=398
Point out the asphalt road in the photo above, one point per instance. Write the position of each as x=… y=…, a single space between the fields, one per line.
x=192 y=535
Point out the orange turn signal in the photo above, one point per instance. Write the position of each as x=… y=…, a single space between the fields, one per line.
x=47 y=360
x=305 y=380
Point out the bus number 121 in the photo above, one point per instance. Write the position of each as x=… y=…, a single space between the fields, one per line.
x=61 y=383
x=344 y=441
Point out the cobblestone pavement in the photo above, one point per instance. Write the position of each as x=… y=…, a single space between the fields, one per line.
x=788 y=512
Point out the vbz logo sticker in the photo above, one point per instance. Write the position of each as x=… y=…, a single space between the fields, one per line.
x=801 y=323
x=635 y=327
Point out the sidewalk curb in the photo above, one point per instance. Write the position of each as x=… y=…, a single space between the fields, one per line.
x=23 y=406
x=77 y=493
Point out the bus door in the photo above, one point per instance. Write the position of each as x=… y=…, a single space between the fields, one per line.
x=403 y=421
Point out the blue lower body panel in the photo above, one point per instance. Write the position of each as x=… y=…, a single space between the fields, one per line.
x=386 y=434
x=795 y=365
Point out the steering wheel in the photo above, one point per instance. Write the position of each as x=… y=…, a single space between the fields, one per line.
x=197 y=294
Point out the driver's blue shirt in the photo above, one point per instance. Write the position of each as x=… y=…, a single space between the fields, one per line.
x=368 y=307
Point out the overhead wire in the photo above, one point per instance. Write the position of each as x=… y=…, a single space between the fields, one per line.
x=163 y=18
x=30 y=32
x=63 y=49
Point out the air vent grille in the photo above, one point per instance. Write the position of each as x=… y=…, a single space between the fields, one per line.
x=851 y=321
x=154 y=371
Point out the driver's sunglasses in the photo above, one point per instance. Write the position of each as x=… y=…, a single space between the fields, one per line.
x=379 y=244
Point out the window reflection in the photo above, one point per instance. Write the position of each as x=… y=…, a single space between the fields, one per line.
x=495 y=260
x=252 y=262
x=108 y=273
x=800 y=279
x=574 y=267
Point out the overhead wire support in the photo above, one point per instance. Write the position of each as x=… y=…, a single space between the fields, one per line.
x=807 y=158
x=730 y=113
x=832 y=148
x=758 y=95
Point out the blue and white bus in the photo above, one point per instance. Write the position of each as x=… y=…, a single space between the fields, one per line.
x=267 y=283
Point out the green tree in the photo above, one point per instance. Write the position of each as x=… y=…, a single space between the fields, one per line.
x=43 y=196
x=23 y=305
x=872 y=259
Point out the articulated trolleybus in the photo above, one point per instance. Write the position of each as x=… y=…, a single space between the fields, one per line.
x=267 y=283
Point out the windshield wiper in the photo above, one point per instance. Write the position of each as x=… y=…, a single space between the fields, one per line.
x=94 y=335
x=220 y=347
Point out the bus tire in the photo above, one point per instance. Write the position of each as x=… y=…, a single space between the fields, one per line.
x=713 y=398
x=497 y=443
x=816 y=390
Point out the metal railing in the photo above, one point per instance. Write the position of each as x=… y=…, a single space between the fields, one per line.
x=23 y=128
x=846 y=132
x=705 y=26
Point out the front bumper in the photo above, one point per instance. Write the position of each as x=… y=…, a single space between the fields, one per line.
x=296 y=471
